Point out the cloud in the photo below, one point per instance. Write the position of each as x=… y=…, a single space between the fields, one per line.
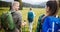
x=34 y=1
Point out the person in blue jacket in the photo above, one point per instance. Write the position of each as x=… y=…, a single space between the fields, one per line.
x=51 y=21
x=30 y=18
x=50 y=10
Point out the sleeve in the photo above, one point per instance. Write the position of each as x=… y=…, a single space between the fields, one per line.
x=45 y=25
x=34 y=14
x=59 y=23
x=19 y=18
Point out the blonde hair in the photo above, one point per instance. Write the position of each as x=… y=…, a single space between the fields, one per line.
x=15 y=2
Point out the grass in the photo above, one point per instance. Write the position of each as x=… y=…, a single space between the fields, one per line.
x=37 y=12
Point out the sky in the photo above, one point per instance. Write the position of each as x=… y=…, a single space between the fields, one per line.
x=28 y=1
x=34 y=0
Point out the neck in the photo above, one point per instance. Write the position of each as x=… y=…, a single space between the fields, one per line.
x=46 y=14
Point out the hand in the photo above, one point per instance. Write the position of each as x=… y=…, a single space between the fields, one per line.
x=23 y=23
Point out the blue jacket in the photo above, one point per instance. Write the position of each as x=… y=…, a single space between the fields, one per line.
x=30 y=16
x=47 y=25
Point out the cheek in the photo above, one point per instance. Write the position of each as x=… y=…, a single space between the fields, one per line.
x=14 y=6
x=46 y=8
x=17 y=7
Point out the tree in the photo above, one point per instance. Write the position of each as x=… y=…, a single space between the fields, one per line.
x=20 y=1
x=59 y=3
x=4 y=4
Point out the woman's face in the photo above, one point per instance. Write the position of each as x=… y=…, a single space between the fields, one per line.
x=47 y=9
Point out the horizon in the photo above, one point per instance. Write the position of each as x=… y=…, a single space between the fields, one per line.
x=29 y=1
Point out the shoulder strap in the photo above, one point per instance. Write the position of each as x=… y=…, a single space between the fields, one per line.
x=42 y=18
x=57 y=16
x=12 y=12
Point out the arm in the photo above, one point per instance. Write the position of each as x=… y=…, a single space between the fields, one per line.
x=34 y=14
x=19 y=18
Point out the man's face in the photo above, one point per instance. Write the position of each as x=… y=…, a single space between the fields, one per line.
x=16 y=6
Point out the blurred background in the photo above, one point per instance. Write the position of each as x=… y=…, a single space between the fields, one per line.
x=38 y=6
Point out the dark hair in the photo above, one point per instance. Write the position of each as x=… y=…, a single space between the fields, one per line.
x=53 y=7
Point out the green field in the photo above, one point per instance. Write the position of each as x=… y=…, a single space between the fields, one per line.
x=37 y=12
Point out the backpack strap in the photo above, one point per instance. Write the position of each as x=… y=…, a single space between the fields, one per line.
x=57 y=16
x=38 y=28
x=43 y=16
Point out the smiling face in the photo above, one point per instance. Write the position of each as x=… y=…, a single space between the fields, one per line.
x=15 y=6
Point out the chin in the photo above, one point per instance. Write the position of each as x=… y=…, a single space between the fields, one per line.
x=16 y=9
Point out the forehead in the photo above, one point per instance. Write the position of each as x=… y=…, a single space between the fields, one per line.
x=15 y=3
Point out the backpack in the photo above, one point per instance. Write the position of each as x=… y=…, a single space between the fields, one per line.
x=0 y=23
x=51 y=24
x=30 y=16
x=7 y=21
x=39 y=23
